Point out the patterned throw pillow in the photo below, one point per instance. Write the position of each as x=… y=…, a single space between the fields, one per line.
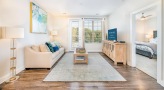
x=50 y=47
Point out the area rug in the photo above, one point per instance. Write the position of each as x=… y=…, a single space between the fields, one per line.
x=97 y=69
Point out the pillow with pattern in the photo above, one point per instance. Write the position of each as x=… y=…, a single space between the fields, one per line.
x=50 y=47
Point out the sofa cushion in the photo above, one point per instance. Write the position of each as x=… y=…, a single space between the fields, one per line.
x=35 y=48
x=50 y=47
x=61 y=50
x=55 y=54
x=44 y=48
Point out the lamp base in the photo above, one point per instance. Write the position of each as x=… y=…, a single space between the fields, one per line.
x=13 y=79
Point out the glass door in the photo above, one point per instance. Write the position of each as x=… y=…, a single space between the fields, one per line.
x=75 y=34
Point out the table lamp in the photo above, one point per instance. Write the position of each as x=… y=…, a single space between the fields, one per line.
x=54 y=33
x=148 y=36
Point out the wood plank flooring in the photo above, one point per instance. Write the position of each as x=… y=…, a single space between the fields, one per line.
x=33 y=80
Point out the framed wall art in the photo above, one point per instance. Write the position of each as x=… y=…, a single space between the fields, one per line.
x=38 y=19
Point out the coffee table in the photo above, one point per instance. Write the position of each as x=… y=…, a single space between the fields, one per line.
x=80 y=58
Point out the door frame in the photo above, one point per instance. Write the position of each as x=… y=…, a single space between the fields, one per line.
x=158 y=5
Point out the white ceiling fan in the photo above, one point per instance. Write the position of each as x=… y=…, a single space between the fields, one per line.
x=143 y=17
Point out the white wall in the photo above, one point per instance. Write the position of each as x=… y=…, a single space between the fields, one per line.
x=16 y=13
x=120 y=19
x=144 y=27
x=162 y=62
x=140 y=30
x=151 y=25
x=61 y=24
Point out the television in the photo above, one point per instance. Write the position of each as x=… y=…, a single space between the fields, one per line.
x=112 y=34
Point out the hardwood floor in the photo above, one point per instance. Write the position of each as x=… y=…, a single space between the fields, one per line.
x=33 y=80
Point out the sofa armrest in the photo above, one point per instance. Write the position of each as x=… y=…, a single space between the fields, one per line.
x=37 y=59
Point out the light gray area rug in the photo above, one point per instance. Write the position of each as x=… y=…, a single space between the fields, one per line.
x=98 y=69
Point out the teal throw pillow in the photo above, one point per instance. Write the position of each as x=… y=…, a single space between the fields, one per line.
x=50 y=47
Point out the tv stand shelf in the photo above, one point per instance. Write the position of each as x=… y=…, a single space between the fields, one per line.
x=115 y=51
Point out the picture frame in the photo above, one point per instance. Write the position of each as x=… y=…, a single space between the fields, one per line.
x=38 y=19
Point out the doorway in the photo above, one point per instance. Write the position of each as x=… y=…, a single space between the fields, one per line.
x=159 y=44
x=146 y=41
x=75 y=33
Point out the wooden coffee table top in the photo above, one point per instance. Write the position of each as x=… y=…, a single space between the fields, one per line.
x=75 y=52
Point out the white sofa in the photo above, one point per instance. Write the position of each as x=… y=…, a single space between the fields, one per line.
x=35 y=59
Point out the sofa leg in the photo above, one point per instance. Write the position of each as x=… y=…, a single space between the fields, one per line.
x=48 y=68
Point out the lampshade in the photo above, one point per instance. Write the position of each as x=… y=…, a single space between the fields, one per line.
x=54 y=32
x=12 y=32
x=148 y=36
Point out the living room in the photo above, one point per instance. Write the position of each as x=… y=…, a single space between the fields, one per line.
x=62 y=16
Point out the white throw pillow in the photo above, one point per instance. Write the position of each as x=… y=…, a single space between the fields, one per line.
x=35 y=48
x=57 y=43
x=53 y=44
x=44 y=48
x=153 y=40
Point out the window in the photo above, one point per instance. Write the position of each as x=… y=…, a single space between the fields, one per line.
x=93 y=31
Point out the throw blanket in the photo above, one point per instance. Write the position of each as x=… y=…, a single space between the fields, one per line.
x=150 y=46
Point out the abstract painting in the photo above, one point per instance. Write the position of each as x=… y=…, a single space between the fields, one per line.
x=38 y=19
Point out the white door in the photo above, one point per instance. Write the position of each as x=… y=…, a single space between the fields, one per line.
x=75 y=34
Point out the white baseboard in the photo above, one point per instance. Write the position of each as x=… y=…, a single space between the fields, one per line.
x=4 y=78
x=66 y=51
x=94 y=50
x=161 y=83
x=20 y=69
x=89 y=51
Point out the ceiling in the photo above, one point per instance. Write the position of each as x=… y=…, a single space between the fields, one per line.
x=79 y=7
x=152 y=12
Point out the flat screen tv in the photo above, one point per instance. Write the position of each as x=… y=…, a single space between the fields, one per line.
x=112 y=34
